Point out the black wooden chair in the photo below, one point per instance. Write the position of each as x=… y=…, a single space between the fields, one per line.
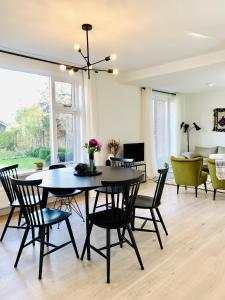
x=66 y=197
x=29 y=195
x=152 y=203
x=118 y=216
x=5 y=173
x=117 y=162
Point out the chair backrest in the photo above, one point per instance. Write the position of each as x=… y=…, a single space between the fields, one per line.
x=56 y=166
x=29 y=195
x=216 y=183
x=187 y=171
x=122 y=162
x=59 y=192
x=5 y=173
x=160 y=185
x=124 y=200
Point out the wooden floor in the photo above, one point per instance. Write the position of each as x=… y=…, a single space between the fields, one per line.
x=191 y=266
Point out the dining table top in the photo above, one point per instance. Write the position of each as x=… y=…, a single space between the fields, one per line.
x=65 y=178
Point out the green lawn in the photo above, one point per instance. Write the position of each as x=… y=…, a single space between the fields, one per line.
x=25 y=163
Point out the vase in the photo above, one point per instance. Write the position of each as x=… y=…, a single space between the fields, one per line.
x=91 y=163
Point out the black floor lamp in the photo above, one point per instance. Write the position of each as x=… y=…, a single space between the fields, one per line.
x=186 y=127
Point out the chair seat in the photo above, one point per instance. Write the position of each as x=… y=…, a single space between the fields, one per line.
x=65 y=192
x=110 y=218
x=143 y=202
x=52 y=216
x=117 y=190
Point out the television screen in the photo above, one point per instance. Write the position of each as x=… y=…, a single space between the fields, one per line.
x=134 y=150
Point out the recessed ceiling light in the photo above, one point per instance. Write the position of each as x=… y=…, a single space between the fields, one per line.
x=197 y=35
x=210 y=84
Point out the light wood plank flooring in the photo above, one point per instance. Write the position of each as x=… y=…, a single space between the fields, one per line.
x=191 y=266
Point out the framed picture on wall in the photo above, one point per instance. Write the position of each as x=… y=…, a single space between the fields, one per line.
x=219 y=119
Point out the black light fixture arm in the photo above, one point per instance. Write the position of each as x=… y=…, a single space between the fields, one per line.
x=89 y=65
x=187 y=130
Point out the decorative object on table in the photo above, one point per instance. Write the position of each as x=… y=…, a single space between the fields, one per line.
x=186 y=127
x=89 y=66
x=219 y=119
x=39 y=165
x=114 y=147
x=81 y=168
x=92 y=146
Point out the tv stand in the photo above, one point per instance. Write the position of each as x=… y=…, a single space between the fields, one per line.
x=138 y=164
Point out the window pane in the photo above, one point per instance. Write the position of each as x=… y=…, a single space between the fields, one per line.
x=24 y=119
x=65 y=137
x=63 y=93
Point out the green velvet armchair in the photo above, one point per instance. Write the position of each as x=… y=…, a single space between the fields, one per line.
x=216 y=183
x=188 y=172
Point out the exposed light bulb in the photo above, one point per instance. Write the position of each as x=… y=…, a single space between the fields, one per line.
x=76 y=47
x=71 y=72
x=115 y=72
x=62 y=68
x=113 y=56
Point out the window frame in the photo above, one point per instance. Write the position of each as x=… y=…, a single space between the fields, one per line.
x=54 y=76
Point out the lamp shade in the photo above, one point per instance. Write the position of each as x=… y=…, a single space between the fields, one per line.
x=186 y=126
x=196 y=126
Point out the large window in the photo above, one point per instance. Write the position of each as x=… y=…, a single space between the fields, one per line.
x=37 y=119
x=164 y=126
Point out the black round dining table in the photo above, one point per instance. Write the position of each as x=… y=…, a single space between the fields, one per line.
x=64 y=178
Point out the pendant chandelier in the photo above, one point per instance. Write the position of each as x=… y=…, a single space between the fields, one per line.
x=89 y=66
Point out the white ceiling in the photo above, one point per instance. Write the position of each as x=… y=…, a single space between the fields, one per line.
x=189 y=81
x=143 y=33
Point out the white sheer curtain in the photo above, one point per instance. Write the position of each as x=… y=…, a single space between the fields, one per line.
x=179 y=117
x=90 y=115
x=148 y=131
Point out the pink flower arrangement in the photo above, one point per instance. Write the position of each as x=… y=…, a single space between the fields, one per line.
x=93 y=146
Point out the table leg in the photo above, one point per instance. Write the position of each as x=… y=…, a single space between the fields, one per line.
x=44 y=198
x=87 y=223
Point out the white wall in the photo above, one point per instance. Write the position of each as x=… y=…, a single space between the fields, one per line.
x=118 y=112
x=199 y=109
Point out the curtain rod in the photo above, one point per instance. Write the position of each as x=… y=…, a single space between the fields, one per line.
x=163 y=92
x=37 y=59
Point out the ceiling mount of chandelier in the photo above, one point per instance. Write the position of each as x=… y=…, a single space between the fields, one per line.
x=89 y=66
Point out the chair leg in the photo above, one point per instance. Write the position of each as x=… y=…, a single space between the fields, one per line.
x=161 y=220
x=133 y=220
x=42 y=244
x=22 y=245
x=78 y=208
x=87 y=237
x=96 y=201
x=108 y=254
x=196 y=191
x=156 y=228
x=205 y=187
x=72 y=237
x=178 y=189
x=33 y=235
x=214 y=194
x=135 y=246
x=7 y=222
x=47 y=234
x=20 y=217
x=119 y=237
